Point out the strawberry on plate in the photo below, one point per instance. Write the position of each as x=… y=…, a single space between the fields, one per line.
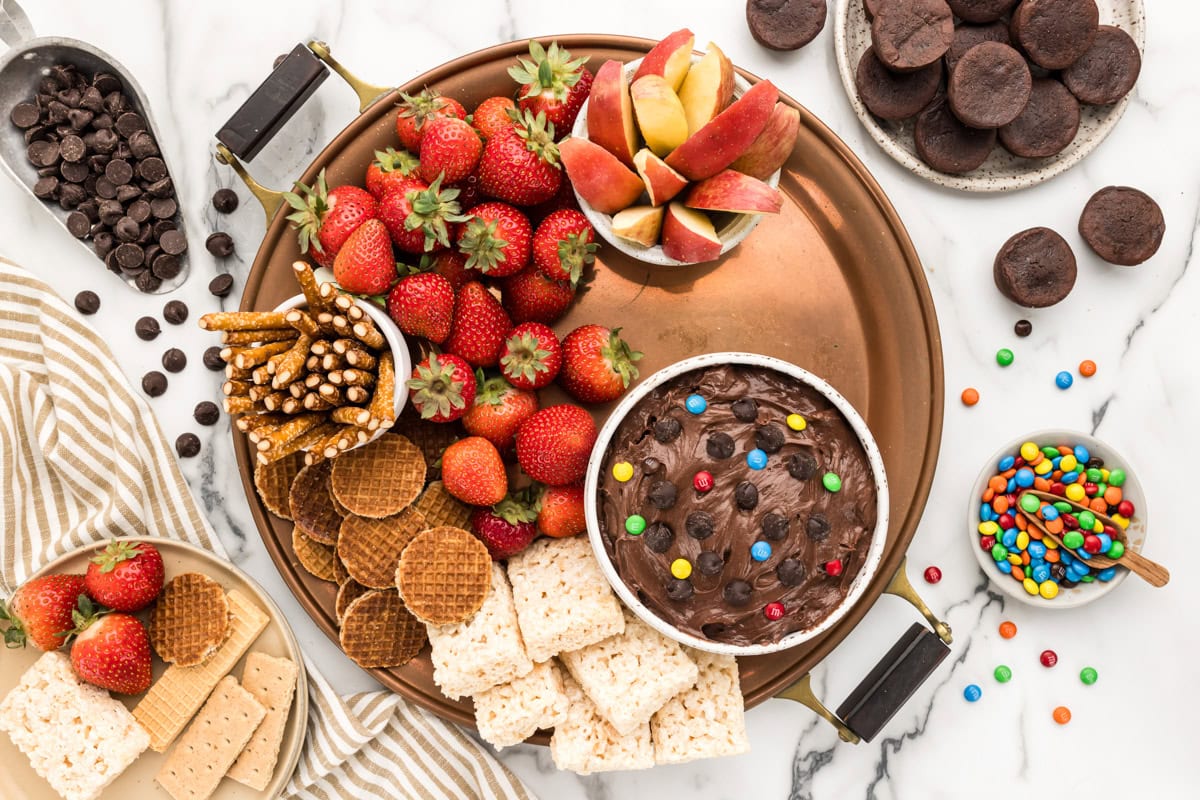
x=498 y=411
x=561 y=513
x=553 y=84
x=532 y=356
x=508 y=527
x=553 y=446
x=451 y=265
x=530 y=296
x=496 y=239
x=563 y=245
x=598 y=365
x=479 y=326
x=365 y=264
x=125 y=576
x=325 y=218
x=390 y=168
x=418 y=216
x=493 y=115
x=422 y=305
x=112 y=651
x=473 y=472
x=415 y=111
x=450 y=149
x=520 y=163
x=442 y=387
x=40 y=611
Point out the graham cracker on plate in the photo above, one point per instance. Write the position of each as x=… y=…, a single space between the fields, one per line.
x=309 y=500
x=273 y=482
x=379 y=479
x=349 y=590
x=190 y=619
x=510 y=713
x=705 y=721
x=272 y=681
x=180 y=691
x=211 y=743
x=317 y=559
x=443 y=576
x=584 y=743
x=442 y=508
x=370 y=548
x=378 y=631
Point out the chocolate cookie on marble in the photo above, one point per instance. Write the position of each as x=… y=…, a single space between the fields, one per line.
x=967 y=36
x=1035 y=268
x=947 y=145
x=980 y=10
x=895 y=95
x=1055 y=33
x=1046 y=126
x=912 y=34
x=785 y=24
x=1107 y=71
x=1123 y=225
x=990 y=86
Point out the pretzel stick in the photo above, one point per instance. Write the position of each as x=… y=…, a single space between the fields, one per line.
x=274 y=401
x=243 y=320
x=315 y=402
x=350 y=415
x=332 y=361
x=308 y=285
x=330 y=393
x=320 y=347
x=313 y=380
x=253 y=356
x=252 y=422
x=357 y=395
x=366 y=332
x=236 y=388
x=258 y=392
x=383 y=401
x=301 y=442
x=361 y=359
x=237 y=374
x=292 y=362
x=289 y=430
x=238 y=405
x=257 y=337
x=341 y=325
x=303 y=323
x=297 y=389
x=358 y=377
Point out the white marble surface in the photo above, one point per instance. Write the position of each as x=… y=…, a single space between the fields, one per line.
x=1132 y=733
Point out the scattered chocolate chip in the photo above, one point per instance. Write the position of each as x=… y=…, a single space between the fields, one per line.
x=775 y=527
x=220 y=244
x=173 y=242
x=78 y=224
x=790 y=572
x=174 y=360
x=659 y=537
x=206 y=413
x=700 y=525
x=801 y=466
x=709 y=563
x=46 y=188
x=72 y=149
x=1023 y=328
x=138 y=211
x=147 y=329
x=87 y=302
x=720 y=445
x=212 y=359
x=128 y=192
x=679 y=589
x=737 y=593
x=225 y=201
x=175 y=312
x=745 y=409
x=817 y=527
x=187 y=445
x=650 y=464
x=142 y=145
x=75 y=172
x=154 y=383
x=770 y=438
x=667 y=430
x=746 y=495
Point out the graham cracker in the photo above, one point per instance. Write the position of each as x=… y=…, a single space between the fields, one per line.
x=370 y=548
x=442 y=508
x=317 y=559
x=349 y=590
x=312 y=510
x=379 y=479
x=378 y=631
x=444 y=575
x=705 y=721
x=212 y=742
x=190 y=619
x=176 y=696
x=273 y=482
x=272 y=681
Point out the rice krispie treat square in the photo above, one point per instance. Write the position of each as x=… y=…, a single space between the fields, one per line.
x=510 y=713
x=705 y=721
x=585 y=743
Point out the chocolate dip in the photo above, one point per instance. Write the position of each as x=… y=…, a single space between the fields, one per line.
x=806 y=525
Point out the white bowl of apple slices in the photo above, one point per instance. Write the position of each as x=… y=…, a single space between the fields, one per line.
x=675 y=157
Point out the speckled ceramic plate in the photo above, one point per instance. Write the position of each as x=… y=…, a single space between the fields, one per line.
x=1003 y=171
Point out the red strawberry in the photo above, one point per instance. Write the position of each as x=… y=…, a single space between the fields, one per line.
x=416 y=217
x=442 y=387
x=563 y=198
x=563 y=245
x=125 y=576
x=326 y=217
x=530 y=296
x=451 y=265
x=390 y=168
x=479 y=326
x=450 y=148
x=40 y=611
x=422 y=305
x=365 y=264
x=112 y=652
x=496 y=239
x=506 y=528
x=473 y=472
x=520 y=162
x=468 y=191
x=597 y=364
x=492 y=115
x=554 y=84
x=532 y=356
x=499 y=410
x=417 y=110
x=562 y=514
x=553 y=446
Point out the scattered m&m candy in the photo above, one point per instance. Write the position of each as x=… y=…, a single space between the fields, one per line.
x=1087 y=368
x=1002 y=674
x=622 y=471
x=833 y=568
x=695 y=404
x=969 y=396
x=635 y=524
x=932 y=574
x=1008 y=629
x=972 y=693
x=1088 y=676
x=773 y=611
x=1063 y=380
x=681 y=568
x=1004 y=356
x=1062 y=715
x=1048 y=658
x=831 y=481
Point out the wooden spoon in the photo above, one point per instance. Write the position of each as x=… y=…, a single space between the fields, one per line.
x=1151 y=571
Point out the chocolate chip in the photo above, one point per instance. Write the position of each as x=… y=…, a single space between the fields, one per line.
x=152 y=169
x=790 y=572
x=737 y=593
x=126 y=229
x=162 y=188
x=74 y=171
x=222 y=285
x=679 y=589
x=24 y=115
x=174 y=360
x=719 y=445
x=148 y=282
x=745 y=409
x=130 y=257
x=106 y=83
x=746 y=495
x=775 y=527
x=166 y=266
x=118 y=171
x=130 y=123
x=42 y=154
x=142 y=145
x=817 y=527
x=87 y=302
x=70 y=195
x=147 y=329
x=154 y=383
x=109 y=210
x=212 y=359
x=173 y=242
x=78 y=224
x=713 y=630
x=105 y=141
x=770 y=438
x=72 y=148
x=206 y=413
x=138 y=211
x=709 y=563
x=46 y=188
x=163 y=208
x=127 y=192
x=662 y=495
x=700 y=525
x=659 y=537
x=667 y=430
x=162 y=226
x=225 y=201
x=801 y=466
x=175 y=312
x=220 y=244
x=105 y=189
x=1023 y=328
x=187 y=445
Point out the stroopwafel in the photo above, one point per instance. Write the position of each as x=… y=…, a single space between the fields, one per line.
x=190 y=619
x=439 y=507
x=379 y=479
x=370 y=548
x=431 y=437
x=378 y=631
x=347 y=593
x=317 y=558
x=312 y=509
x=274 y=483
x=444 y=575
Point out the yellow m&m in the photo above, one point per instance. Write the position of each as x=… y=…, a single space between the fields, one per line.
x=681 y=568
x=796 y=422
x=622 y=471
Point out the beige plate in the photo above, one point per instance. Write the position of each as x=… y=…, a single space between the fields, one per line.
x=22 y=783
x=1003 y=171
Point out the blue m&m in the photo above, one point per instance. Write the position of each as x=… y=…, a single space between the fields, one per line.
x=756 y=459
x=695 y=404
x=760 y=551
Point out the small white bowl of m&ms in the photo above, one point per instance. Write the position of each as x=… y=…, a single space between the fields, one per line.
x=1011 y=549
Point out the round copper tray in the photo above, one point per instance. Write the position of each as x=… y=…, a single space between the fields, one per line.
x=832 y=284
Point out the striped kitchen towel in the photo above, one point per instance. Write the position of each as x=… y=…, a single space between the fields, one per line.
x=82 y=459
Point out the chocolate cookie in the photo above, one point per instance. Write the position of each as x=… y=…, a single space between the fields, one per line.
x=912 y=34
x=980 y=10
x=967 y=36
x=1046 y=126
x=1123 y=225
x=785 y=24
x=895 y=95
x=947 y=145
x=1035 y=268
x=1055 y=33
x=870 y=7
x=990 y=86
x=1107 y=71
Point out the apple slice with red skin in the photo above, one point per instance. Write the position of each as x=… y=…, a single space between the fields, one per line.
x=662 y=182
x=598 y=176
x=733 y=191
x=688 y=235
x=729 y=134
x=707 y=89
x=670 y=58
x=773 y=146
x=639 y=224
x=610 y=121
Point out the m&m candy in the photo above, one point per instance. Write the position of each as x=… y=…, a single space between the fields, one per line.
x=622 y=471
x=1004 y=356
x=1087 y=368
x=832 y=482
x=1088 y=676
x=932 y=574
x=1062 y=715
x=760 y=551
x=972 y=693
x=833 y=568
x=695 y=404
x=1063 y=380
x=1002 y=674
x=635 y=524
x=970 y=396
x=1048 y=658
x=1008 y=630
x=703 y=481
x=756 y=459
x=796 y=422
x=681 y=568
x=773 y=611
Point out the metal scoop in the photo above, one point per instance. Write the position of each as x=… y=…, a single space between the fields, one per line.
x=27 y=60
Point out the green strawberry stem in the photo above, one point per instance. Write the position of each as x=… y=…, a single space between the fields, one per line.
x=520 y=506
x=484 y=250
x=551 y=68
x=432 y=208
x=574 y=252
x=491 y=391
x=435 y=390
x=310 y=204
x=538 y=134
x=618 y=353
x=393 y=160
x=525 y=357
x=114 y=553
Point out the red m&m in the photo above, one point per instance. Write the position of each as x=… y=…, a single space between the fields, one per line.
x=1048 y=658
x=703 y=481
x=932 y=574
x=773 y=611
x=834 y=567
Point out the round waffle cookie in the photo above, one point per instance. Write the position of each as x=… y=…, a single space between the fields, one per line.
x=439 y=507
x=378 y=631
x=319 y=560
x=190 y=620
x=379 y=479
x=444 y=575
x=349 y=591
x=274 y=483
x=431 y=437
x=370 y=548
x=312 y=509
